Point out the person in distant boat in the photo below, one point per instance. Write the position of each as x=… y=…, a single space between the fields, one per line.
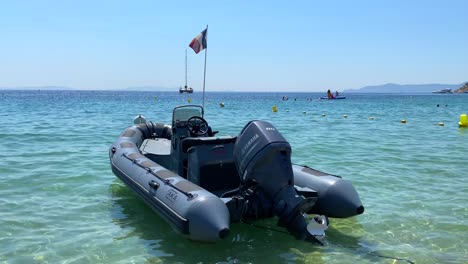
x=336 y=94
x=330 y=95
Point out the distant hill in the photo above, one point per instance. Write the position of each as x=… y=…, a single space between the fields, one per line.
x=463 y=89
x=133 y=88
x=404 y=88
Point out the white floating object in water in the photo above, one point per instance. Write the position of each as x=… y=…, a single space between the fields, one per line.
x=318 y=225
x=139 y=119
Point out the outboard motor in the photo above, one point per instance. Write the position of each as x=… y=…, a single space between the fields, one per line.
x=263 y=160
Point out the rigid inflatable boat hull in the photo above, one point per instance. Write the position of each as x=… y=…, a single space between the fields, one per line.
x=192 y=210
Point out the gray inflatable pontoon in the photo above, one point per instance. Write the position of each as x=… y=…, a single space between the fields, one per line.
x=200 y=182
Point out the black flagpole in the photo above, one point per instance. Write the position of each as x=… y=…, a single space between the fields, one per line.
x=204 y=72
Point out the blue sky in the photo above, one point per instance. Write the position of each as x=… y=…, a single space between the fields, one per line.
x=252 y=45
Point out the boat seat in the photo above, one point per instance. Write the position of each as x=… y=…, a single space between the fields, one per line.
x=188 y=142
x=196 y=141
x=211 y=165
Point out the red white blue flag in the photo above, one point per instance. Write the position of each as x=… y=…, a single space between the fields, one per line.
x=199 y=42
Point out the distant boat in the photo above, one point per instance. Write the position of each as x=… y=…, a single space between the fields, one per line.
x=334 y=98
x=185 y=89
x=443 y=91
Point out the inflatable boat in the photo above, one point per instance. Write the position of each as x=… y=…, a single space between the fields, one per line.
x=334 y=98
x=200 y=183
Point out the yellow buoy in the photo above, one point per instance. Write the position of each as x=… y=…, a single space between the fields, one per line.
x=463 y=121
x=274 y=109
x=189 y=100
x=403 y=121
x=440 y=124
x=39 y=258
x=221 y=104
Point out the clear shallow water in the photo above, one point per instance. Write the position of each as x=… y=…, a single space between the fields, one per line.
x=60 y=202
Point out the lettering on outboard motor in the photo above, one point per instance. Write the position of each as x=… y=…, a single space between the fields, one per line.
x=171 y=195
x=249 y=143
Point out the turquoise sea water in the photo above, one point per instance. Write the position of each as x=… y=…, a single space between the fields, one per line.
x=60 y=202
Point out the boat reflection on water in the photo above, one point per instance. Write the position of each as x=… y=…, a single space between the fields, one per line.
x=163 y=243
x=243 y=244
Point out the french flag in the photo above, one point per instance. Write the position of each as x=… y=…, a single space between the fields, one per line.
x=199 y=42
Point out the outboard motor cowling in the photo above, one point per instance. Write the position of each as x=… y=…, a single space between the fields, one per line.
x=263 y=160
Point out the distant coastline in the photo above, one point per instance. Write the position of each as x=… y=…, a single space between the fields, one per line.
x=404 y=88
x=389 y=88
x=32 y=88
x=463 y=89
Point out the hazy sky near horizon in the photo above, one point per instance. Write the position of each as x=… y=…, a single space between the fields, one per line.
x=252 y=45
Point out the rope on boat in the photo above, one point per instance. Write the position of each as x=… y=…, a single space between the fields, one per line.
x=389 y=257
x=315 y=240
x=320 y=242
x=379 y=255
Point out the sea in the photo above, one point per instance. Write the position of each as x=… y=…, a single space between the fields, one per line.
x=404 y=153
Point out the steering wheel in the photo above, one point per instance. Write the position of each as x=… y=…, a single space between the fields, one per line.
x=197 y=126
